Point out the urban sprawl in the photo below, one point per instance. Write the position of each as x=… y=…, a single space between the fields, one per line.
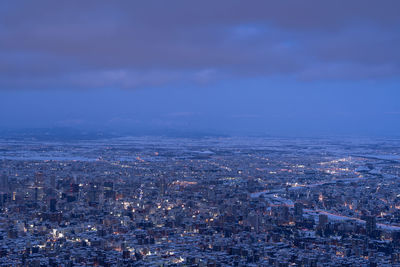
x=219 y=201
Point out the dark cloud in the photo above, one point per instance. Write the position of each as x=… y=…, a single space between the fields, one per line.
x=131 y=44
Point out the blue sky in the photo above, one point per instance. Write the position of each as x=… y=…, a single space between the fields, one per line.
x=235 y=67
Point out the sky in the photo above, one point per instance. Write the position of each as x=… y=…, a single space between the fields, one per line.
x=254 y=67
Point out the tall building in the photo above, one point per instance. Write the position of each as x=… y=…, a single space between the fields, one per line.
x=109 y=190
x=322 y=221
x=53 y=205
x=284 y=213
x=39 y=178
x=4 y=185
x=93 y=195
x=370 y=225
x=298 y=210
x=53 y=182
x=36 y=194
x=3 y=199
x=163 y=186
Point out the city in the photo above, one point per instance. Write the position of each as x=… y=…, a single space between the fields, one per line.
x=211 y=133
x=217 y=201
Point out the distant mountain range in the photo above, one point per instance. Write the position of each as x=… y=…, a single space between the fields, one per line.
x=71 y=134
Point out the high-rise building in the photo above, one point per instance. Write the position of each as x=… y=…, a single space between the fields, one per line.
x=370 y=225
x=39 y=178
x=109 y=190
x=284 y=213
x=3 y=199
x=53 y=205
x=93 y=195
x=322 y=221
x=36 y=194
x=298 y=210
x=163 y=186
x=4 y=185
x=53 y=182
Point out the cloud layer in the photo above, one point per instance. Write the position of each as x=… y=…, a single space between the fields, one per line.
x=135 y=44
